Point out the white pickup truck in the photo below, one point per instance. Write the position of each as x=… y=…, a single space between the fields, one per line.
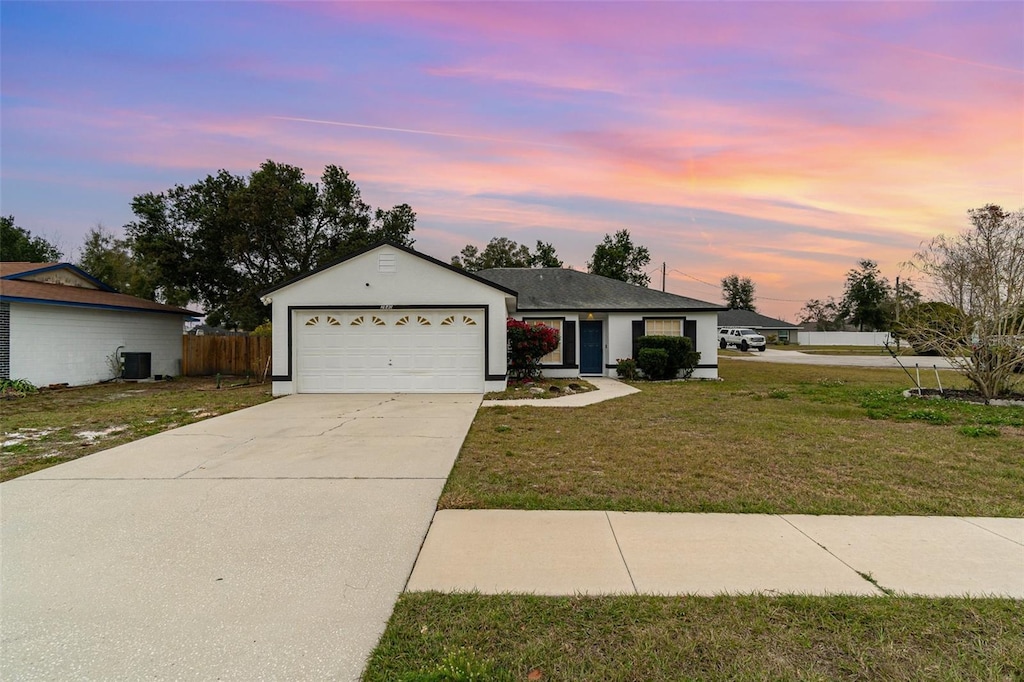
x=741 y=337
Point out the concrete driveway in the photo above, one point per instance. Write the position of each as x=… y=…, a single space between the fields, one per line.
x=873 y=357
x=269 y=543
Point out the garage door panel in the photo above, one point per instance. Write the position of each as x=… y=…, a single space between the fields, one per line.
x=411 y=351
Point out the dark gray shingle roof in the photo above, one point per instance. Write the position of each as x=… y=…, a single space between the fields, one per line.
x=748 y=318
x=562 y=289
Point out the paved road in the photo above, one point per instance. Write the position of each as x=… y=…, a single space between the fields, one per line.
x=871 y=358
x=269 y=543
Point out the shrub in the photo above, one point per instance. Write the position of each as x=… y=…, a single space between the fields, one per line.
x=654 y=363
x=265 y=329
x=681 y=356
x=625 y=368
x=16 y=388
x=527 y=344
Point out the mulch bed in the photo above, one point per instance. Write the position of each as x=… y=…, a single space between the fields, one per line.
x=963 y=395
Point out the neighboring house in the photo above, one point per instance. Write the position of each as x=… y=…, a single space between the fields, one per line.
x=58 y=324
x=762 y=324
x=390 y=319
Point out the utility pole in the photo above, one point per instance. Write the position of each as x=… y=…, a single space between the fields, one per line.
x=663 y=275
x=898 y=312
x=897 y=299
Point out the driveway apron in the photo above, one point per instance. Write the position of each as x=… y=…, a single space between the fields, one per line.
x=270 y=543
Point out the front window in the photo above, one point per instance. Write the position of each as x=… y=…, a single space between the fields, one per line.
x=555 y=356
x=663 y=327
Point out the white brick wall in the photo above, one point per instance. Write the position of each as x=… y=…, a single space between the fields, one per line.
x=62 y=344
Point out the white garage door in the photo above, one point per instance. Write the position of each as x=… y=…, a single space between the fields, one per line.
x=390 y=351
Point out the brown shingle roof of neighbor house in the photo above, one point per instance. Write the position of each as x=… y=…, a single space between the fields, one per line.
x=9 y=268
x=12 y=288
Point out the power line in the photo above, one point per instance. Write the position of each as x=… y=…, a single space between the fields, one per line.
x=696 y=279
x=718 y=286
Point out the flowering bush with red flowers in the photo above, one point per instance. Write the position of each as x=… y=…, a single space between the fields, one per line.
x=527 y=344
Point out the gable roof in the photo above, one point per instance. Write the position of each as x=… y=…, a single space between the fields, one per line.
x=15 y=287
x=11 y=268
x=31 y=271
x=748 y=318
x=563 y=289
x=399 y=247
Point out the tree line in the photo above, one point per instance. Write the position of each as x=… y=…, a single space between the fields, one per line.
x=222 y=240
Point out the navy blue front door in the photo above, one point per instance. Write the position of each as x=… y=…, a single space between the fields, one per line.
x=591 y=348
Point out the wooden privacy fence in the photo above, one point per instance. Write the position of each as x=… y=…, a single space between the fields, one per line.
x=238 y=355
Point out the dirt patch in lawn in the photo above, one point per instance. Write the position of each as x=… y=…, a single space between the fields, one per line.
x=54 y=426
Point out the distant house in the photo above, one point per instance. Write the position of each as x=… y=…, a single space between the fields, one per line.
x=58 y=324
x=766 y=326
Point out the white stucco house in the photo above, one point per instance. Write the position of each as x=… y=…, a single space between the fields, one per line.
x=391 y=319
x=60 y=325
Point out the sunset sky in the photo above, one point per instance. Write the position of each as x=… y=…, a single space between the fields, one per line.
x=782 y=141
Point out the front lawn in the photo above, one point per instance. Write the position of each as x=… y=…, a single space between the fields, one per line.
x=54 y=426
x=770 y=438
x=434 y=636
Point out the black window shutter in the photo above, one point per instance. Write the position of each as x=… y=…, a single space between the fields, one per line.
x=569 y=343
x=690 y=331
x=638 y=331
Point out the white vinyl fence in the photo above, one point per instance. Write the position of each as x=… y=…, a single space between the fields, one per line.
x=842 y=338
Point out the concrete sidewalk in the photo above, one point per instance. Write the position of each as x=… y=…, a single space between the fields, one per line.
x=607 y=389
x=593 y=552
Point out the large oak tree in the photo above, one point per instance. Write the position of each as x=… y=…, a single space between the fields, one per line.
x=18 y=244
x=226 y=238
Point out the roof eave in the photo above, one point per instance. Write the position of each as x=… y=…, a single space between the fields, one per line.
x=630 y=309
x=400 y=247
x=100 y=306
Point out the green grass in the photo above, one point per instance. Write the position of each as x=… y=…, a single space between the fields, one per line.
x=54 y=426
x=770 y=438
x=508 y=637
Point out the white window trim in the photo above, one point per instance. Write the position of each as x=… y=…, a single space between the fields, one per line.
x=677 y=320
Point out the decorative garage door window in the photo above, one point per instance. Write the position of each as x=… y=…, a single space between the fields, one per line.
x=399 y=321
x=389 y=351
x=331 y=320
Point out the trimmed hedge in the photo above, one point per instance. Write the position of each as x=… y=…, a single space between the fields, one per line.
x=680 y=358
x=654 y=363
